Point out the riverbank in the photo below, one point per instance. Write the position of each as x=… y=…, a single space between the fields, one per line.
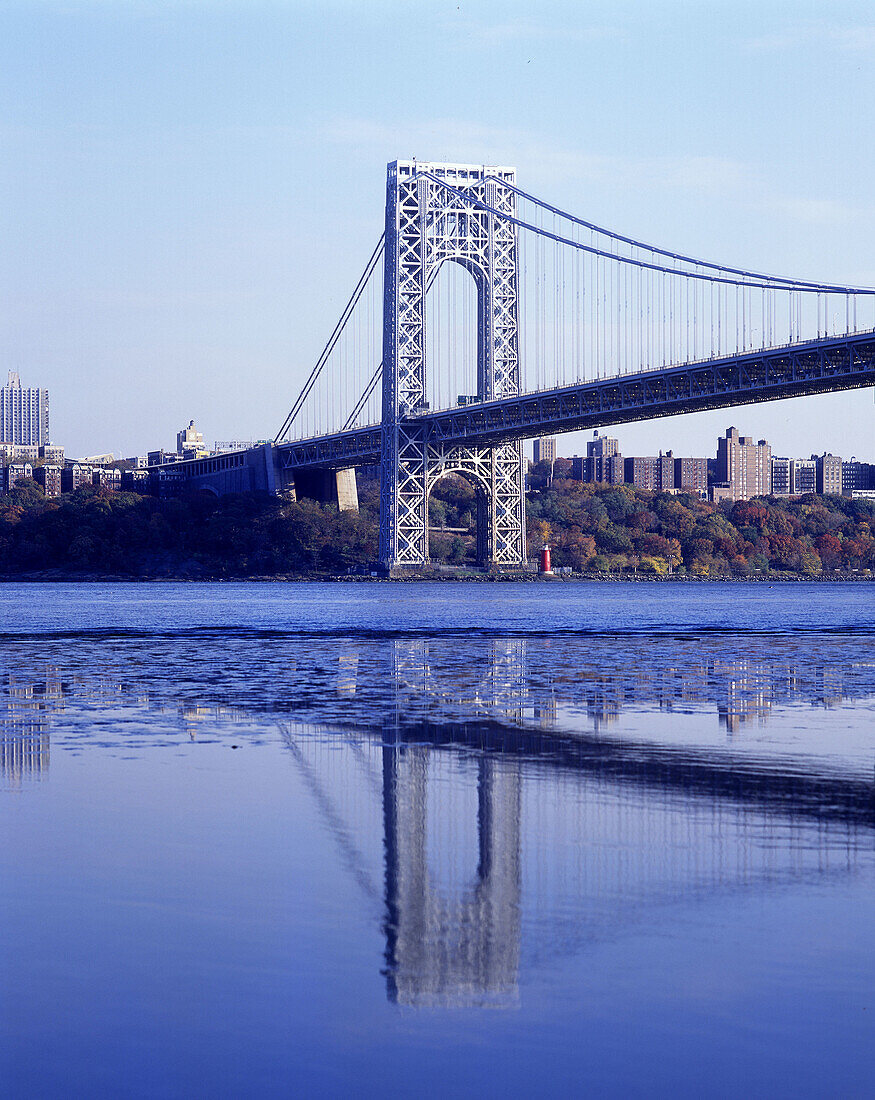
x=595 y=532
x=466 y=576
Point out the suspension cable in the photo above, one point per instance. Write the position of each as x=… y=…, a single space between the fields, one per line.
x=335 y=336
x=758 y=276
x=771 y=283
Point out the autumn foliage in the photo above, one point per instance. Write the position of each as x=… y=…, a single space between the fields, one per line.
x=593 y=529
x=618 y=529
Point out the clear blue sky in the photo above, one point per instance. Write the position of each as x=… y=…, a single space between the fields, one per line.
x=188 y=190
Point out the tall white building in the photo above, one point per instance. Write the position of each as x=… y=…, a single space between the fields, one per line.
x=24 y=414
x=545 y=449
x=804 y=476
x=189 y=440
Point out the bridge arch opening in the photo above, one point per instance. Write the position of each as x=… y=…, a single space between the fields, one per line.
x=453 y=305
x=458 y=511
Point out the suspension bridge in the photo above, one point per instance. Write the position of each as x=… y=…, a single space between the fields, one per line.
x=486 y=316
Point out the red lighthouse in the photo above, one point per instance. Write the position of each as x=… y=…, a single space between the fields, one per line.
x=546 y=567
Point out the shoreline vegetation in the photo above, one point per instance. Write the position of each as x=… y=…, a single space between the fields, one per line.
x=468 y=576
x=599 y=532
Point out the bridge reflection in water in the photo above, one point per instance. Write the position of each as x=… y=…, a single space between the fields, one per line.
x=507 y=839
x=506 y=803
x=25 y=706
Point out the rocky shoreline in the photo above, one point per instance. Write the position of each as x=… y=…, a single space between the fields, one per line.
x=461 y=576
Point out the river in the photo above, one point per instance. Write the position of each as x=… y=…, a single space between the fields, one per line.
x=420 y=839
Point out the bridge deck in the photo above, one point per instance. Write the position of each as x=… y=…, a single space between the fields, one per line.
x=798 y=370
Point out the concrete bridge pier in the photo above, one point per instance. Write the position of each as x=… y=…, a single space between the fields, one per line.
x=327 y=487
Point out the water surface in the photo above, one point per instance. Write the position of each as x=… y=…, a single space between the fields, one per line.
x=432 y=839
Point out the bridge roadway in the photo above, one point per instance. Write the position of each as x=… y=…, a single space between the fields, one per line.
x=796 y=370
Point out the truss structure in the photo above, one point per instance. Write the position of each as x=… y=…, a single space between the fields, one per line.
x=823 y=366
x=429 y=222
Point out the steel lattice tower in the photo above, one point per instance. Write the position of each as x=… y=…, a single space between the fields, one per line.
x=427 y=225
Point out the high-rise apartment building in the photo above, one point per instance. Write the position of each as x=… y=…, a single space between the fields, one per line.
x=691 y=475
x=857 y=476
x=656 y=473
x=650 y=473
x=804 y=476
x=545 y=449
x=603 y=462
x=818 y=474
x=744 y=467
x=594 y=469
x=829 y=474
x=782 y=477
x=24 y=413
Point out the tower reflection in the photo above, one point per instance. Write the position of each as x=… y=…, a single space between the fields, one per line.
x=451 y=947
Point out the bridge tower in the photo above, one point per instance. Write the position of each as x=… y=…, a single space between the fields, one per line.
x=427 y=224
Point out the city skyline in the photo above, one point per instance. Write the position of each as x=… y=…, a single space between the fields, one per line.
x=180 y=227
x=613 y=432
x=579 y=438
x=743 y=468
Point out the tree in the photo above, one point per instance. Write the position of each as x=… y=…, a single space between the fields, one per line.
x=658 y=566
